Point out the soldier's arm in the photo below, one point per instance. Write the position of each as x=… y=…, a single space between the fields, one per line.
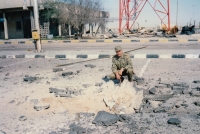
x=114 y=66
x=130 y=64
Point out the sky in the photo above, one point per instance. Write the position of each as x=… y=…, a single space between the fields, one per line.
x=148 y=18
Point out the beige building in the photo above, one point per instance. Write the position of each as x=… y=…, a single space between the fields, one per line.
x=17 y=20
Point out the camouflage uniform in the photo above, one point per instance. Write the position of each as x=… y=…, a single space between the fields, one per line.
x=122 y=62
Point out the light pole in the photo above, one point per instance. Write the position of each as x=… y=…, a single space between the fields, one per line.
x=193 y=12
x=37 y=27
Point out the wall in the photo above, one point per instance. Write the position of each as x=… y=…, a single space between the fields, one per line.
x=4 y=4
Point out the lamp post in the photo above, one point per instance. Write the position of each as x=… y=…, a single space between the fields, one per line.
x=36 y=18
x=193 y=12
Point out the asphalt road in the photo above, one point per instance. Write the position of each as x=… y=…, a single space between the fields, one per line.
x=103 y=46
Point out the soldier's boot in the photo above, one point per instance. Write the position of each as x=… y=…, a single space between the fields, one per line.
x=130 y=75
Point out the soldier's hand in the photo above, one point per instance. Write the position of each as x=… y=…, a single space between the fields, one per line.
x=118 y=76
x=121 y=71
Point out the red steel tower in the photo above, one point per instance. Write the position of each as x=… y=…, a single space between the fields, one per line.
x=129 y=10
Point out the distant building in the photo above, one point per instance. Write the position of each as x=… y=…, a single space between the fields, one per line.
x=17 y=20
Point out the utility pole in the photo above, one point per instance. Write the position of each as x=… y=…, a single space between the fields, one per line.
x=36 y=18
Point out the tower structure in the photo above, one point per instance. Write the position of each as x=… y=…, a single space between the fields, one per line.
x=129 y=11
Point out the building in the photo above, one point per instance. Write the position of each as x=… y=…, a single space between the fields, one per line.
x=17 y=20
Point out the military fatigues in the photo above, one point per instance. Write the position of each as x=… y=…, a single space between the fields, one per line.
x=122 y=62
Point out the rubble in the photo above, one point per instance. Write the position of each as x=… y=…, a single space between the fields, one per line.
x=105 y=119
x=188 y=30
x=152 y=91
x=22 y=118
x=41 y=106
x=174 y=121
x=75 y=129
x=30 y=79
x=2 y=132
x=67 y=73
x=90 y=65
x=57 y=69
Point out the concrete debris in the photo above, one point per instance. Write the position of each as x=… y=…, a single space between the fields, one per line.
x=30 y=79
x=197 y=103
x=67 y=73
x=195 y=93
x=62 y=95
x=162 y=97
x=105 y=119
x=57 y=69
x=161 y=109
x=75 y=129
x=152 y=91
x=2 y=132
x=99 y=84
x=1 y=67
x=55 y=90
x=139 y=80
x=188 y=30
x=196 y=81
x=109 y=103
x=182 y=84
x=174 y=121
x=90 y=65
x=41 y=106
x=22 y=118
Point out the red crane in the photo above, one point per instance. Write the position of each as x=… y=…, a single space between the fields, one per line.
x=129 y=10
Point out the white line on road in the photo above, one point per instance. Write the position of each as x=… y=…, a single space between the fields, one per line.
x=17 y=63
x=144 y=68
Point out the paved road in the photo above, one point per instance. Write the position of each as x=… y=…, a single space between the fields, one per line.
x=101 y=48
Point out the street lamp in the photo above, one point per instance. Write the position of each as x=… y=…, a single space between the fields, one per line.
x=193 y=12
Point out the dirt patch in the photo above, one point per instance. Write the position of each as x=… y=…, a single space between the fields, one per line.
x=113 y=99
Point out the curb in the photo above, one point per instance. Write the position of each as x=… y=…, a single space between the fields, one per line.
x=104 y=41
x=100 y=56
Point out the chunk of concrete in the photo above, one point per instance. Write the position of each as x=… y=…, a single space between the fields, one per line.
x=22 y=118
x=197 y=103
x=67 y=73
x=30 y=79
x=163 y=97
x=196 y=81
x=105 y=119
x=62 y=95
x=55 y=90
x=152 y=91
x=90 y=65
x=2 y=132
x=77 y=129
x=41 y=106
x=99 y=84
x=174 y=121
x=57 y=69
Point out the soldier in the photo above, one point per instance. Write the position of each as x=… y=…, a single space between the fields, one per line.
x=121 y=65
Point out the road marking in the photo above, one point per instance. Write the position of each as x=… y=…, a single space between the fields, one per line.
x=192 y=56
x=17 y=63
x=142 y=56
x=165 y=56
x=144 y=68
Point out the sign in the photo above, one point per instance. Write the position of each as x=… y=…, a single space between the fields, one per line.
x=1 y=19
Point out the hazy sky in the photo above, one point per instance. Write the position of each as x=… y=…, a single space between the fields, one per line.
x=185 y=12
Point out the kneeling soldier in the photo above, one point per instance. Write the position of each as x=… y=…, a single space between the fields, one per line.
x=121 y=65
